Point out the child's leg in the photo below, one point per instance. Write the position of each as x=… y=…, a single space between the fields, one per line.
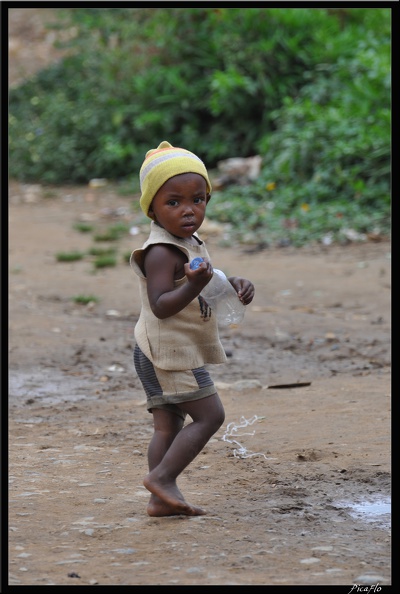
x=166 y=426
x=208 y=415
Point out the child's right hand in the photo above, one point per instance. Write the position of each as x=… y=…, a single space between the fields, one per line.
x=201 y=276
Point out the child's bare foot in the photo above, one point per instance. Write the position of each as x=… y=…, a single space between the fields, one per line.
x=157 y=508
x=169 y=500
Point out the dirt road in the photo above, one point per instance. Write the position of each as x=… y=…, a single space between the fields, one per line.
x=281 y=480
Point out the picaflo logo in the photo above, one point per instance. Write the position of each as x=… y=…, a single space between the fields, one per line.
x=365 y=589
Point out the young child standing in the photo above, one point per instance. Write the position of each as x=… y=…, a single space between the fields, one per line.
x=176 y=334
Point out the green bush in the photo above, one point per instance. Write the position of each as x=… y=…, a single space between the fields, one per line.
x=307 y=89
x=336 y=132
x=208 y=79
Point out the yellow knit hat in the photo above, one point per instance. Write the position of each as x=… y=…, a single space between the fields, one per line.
x=161 y=164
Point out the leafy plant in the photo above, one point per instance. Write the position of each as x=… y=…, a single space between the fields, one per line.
x=69 y=256
x=126 y=257
x=308 y=90
x=83 y=227
x=113 y=233
x=205 y=78
x=105 y=261
x=85 y=299
x=96 y=251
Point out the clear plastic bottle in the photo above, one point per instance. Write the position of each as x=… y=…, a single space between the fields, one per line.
x=221 y=297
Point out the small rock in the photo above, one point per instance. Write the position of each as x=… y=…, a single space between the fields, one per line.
x=116 y=367
x=369 y=579
x=97 y=183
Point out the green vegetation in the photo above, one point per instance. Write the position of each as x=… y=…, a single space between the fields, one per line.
x=126 y=257
x=113 y=233
x=83 y=227
x=105 y=261
x=96 y=251
x=309 y=90
x=103 y=257
x=69 y=256
x=85 y=299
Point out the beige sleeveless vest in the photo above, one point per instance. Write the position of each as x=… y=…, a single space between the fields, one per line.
x=187 y=340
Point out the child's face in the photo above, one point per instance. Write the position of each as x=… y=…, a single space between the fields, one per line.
x=180 y=204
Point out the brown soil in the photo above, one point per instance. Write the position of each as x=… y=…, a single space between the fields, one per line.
x=282 y=479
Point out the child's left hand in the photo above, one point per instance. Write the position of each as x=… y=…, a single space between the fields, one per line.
x=244 y=288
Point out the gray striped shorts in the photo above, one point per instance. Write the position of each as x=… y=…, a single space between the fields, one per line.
x=167 y=389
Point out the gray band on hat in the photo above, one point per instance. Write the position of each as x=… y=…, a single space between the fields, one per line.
x=147 y=168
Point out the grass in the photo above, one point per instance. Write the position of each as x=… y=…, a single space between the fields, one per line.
x=113 y=233
x=108 y=260
x=126 y=257
x=275 y=222
x=85 y=299
x=69 y=256
x=96 y=251
x=83 y=227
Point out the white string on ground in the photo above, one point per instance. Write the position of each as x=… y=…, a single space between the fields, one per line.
x=232 y=431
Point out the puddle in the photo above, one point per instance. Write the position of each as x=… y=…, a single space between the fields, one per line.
x=374 y=509
x=377 y=511
x=48 y=387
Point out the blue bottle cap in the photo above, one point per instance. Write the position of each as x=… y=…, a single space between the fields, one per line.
x=195 y=263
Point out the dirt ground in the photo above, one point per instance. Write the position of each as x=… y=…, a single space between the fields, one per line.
x=297 y=483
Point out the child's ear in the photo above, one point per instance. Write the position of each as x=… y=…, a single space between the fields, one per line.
x=208 y=196
x=150 y=213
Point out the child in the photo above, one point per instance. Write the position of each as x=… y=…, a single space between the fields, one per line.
x=176 y=334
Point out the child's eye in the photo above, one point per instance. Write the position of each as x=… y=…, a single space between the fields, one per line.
x=172 y=202
x=198 y=200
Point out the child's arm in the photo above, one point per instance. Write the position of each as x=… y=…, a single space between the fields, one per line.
x=244 y=288
x=163 y=264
